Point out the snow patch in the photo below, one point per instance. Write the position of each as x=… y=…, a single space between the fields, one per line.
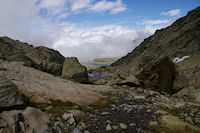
x=177 y=59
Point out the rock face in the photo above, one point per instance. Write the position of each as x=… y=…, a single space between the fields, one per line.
x=180 y=39
x=74 y=71
x=9 y=95
x=41 y=58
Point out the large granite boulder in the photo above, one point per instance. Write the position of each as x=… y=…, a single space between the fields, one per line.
x=74 y=71
x=42 y=58
x=50 y=61
x=41 y=87
x=160 y=75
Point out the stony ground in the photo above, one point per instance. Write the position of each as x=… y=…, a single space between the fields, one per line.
x=122 y=110
x=135 y=110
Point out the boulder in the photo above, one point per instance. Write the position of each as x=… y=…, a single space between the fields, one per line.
x=9 y=95
x=36 y=119
x=49 y=60
x=41 y=87
x=41 y=58
x=74 y=71
x=158 y=75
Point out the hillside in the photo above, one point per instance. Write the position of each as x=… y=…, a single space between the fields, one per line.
x=141 y=66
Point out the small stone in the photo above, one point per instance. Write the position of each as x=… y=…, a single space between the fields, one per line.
x=148 y=110
x=86 y=131
x=76 y=131
x=123 y=126
x=108 y=121
x=132 y=124
x=178 y=105
x=161 y=112
x=71 y=120
x=67 y=116
x=48 y=108
x=139 y=97
x=153 y=123
x=108 y=127
x=115 y=127
x=105 y=113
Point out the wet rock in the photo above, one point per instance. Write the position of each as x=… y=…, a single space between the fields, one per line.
x=74 y=71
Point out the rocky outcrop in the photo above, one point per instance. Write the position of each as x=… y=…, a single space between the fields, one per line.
x=41 y=87
x=9 y=95
x=28 y=120
x=74 y=71
x=41 y=58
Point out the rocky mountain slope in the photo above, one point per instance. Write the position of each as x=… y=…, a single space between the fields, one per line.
x=181 y=39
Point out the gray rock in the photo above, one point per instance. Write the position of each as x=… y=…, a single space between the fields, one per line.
x=36 y=119
x=105 y=113
x=77 y=114
x=41 y=58
x=108 y=127
x=74 y=71
x=9 y=95
x=123 y=126
x=76 y=131
x=3 y=124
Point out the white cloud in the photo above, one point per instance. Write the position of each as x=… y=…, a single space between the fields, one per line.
x=175 y=12
x=21 y=21
x=88 y=43
x=104 y=5
x=79 y=4
x=155 y=22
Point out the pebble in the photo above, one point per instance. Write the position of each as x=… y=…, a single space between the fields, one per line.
x=105 y=113
x=123 y=126
x=108 y=127
x=76 y=131
x=115 y=127
x=132 y=124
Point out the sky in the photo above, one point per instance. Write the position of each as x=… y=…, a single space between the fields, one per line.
x=89 y=29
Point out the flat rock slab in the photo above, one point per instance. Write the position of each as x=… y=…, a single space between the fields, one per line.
x=40 y=87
